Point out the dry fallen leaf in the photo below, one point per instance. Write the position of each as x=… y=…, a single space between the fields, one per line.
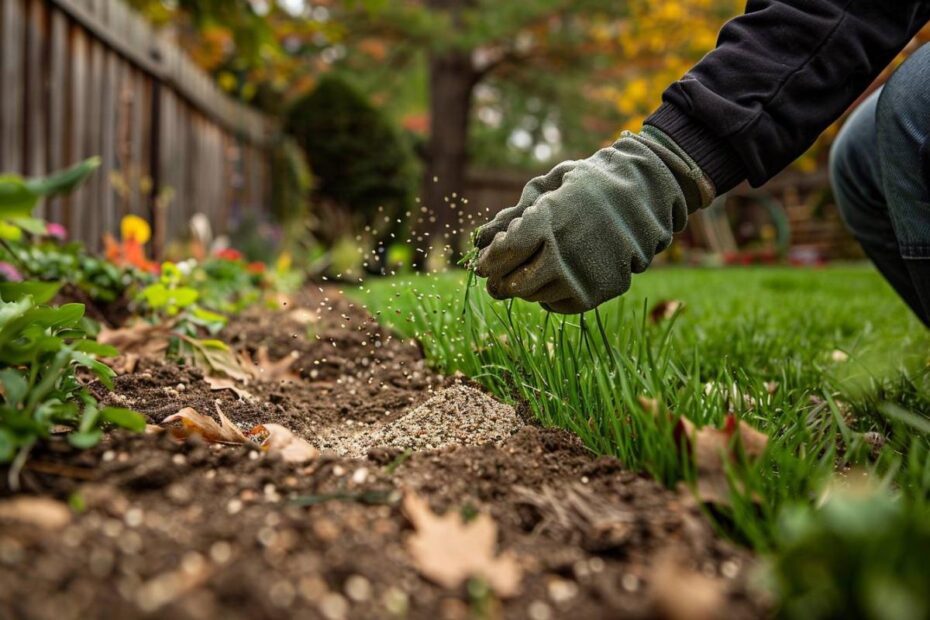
x=222 y=383
x=192 y=422
x=678 y=592
x=138 y=339
x=214 y=357
x=664 y=310
x=125 y=364
x=448 y=552
x=38 y=511
x=733 y=397
x=264 y=369
x=275 y=439
x=649 y=404
x=281 y=441
x=713 y=448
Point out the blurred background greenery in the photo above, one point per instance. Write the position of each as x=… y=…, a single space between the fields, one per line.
x=436 y=112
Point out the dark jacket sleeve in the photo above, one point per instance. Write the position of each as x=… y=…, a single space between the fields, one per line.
x=780 y=74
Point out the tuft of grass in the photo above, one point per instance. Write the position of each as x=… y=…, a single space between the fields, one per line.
x=741 y=330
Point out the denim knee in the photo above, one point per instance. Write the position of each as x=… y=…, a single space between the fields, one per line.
x=855 y=174
x=903 y=124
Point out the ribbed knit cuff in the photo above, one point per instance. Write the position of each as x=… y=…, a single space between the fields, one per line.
x=714 y=156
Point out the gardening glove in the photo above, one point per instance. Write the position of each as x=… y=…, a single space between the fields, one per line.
x=579 y=232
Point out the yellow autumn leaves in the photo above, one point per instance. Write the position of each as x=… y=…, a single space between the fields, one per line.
x=659 y=42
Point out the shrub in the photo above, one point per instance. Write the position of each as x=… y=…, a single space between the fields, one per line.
x=360 y=160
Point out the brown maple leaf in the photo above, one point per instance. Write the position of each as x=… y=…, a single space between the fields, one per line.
x=447 y=551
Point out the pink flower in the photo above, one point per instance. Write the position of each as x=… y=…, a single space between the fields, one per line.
x=9 y=273
x=56 y=231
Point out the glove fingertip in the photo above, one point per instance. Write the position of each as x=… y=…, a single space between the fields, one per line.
x=485 y=236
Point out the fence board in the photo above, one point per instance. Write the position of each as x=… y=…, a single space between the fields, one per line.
x=11 y=48
x=57 y=93
x=90 y=77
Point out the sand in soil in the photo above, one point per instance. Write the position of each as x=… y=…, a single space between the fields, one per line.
x=189 y=530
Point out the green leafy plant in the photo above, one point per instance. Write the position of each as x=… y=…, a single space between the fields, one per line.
x=19 y=197
x=42 y=349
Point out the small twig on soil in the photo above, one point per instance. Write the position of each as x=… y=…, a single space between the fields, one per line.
x=399 y=460
x=369 y=498
x=59 y=469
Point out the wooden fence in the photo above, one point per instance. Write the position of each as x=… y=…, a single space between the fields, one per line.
x=90 y=77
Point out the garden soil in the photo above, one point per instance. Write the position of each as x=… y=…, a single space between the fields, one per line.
x=163 y=528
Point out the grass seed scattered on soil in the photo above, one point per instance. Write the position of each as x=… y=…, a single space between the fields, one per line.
x=193 y=530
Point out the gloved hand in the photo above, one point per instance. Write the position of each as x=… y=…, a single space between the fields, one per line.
x=579 y=232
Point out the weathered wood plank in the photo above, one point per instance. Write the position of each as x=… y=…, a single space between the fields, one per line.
x=35 y=86
x=78 y=100
x=12 y=47
x=108 y=135
x=96 y=80
x=90 y=214
x=57 y=93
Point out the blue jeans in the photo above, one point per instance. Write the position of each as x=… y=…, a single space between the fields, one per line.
x=880 y=170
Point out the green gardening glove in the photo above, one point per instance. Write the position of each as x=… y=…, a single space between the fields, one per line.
x=579 y=232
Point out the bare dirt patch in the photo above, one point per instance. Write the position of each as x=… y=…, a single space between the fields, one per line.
x=190 y=530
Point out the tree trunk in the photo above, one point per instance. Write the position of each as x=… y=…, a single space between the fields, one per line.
x=451 y=82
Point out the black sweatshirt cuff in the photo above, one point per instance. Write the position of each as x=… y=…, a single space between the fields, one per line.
x=717 y=159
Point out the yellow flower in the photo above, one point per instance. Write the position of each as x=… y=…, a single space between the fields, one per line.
x=135 y=228
x=284 y=262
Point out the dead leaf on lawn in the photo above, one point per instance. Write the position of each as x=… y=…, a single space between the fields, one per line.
x=649 y=404
x=192 y=422
x=262 y=368
x=664 y=310
x=713 y=449
x=678 y=592
x=281 y=441
x=222 y=383
x=41 y=512
x=733 y=397
x=447 y=551
x=139 y=339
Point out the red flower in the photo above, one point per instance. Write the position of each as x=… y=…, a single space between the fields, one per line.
x=229 y=254
x=256 y=268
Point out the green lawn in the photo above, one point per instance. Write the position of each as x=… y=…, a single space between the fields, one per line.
x=740 y=329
